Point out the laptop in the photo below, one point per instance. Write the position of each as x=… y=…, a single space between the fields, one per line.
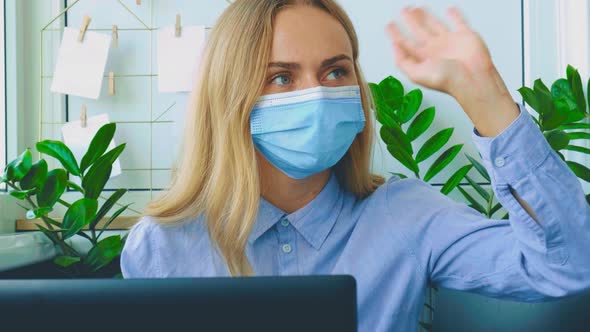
x=293 y=303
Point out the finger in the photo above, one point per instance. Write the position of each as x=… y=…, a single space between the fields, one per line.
x=457 y=17
x=416 y=22
x=404 y=57
x=408 y=65
x=435 y=25
x=407 y=47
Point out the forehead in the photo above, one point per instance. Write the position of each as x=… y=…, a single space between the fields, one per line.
x=308 y=34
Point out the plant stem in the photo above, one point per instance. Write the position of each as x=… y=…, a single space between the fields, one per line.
x=64 y=203
x=66 y=249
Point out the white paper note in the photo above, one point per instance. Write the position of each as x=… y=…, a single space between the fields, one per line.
x=80 y=65
x=179 y=57
x=78 y=139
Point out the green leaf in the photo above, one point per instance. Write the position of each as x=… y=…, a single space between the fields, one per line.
x=65 y=261
x=96 y=179
x=455 y=179
x=561 y=89
x=568 y=110
x=19 y=167
x=473 y=202
x=98 y=145
x=401 y=176
x=106 y=206
x=376 y=92
x=573 y=126
x=433 y=144
x=42 y=212
x=75 y=186
x=79 y=215
x=530 y=98
x=21 y=194
x=395 y=136
x=104 y=252
x=410 y=105
x=53 y=188
x=580 y=149
x=112 y=218
x=386 y=116
x=99 y=173
x=558 y=139
x=442 y=161
x=113 y=154
x=479 y=167
x=392 y=91
x=580 y=170
x=495 y=209
x=62 y=153
x=421 y=123
x=578 y=135
x=575 y=81
x=479 y=189
x=588 y=196
x=550 y=117
x=404 y=158
x=35 y=176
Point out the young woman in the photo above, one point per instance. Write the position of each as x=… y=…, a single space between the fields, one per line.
x=274 y=177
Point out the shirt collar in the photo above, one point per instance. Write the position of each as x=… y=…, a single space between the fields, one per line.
x=314 y=221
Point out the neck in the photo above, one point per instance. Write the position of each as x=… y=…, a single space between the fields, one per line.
x=286 y=193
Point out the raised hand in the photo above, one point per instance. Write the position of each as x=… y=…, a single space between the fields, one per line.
x=455 y=61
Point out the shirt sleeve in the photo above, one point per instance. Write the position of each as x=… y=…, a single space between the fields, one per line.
x=516 y=259
x=139 y=258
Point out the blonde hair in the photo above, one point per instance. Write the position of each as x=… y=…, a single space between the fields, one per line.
x=218 y=174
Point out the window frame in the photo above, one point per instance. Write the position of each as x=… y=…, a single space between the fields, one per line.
x=3 y=98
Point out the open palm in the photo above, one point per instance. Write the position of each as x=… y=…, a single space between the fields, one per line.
x=437 y=57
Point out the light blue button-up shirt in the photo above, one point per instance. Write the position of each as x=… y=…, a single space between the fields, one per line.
x=407 y=233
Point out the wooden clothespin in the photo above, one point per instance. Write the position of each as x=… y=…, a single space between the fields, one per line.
x=83 y=28
x=178 y=27
x=83 y=116
x=138 y=2
x=115 y=36
x=111 y=83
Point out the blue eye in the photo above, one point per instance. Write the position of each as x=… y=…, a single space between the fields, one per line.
x=336 y=74
x=281 y=80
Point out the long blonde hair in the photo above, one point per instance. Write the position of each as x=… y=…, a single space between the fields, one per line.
x=218 y=174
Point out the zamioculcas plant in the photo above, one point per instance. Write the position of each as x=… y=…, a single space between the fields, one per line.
x=402 y=125
x=562 y=116
x=42 y=189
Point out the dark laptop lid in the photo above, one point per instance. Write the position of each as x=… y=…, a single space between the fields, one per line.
x=296 y=303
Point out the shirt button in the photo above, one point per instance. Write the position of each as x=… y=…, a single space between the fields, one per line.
x=285 y=222
x=287 y=248
x=499 y=162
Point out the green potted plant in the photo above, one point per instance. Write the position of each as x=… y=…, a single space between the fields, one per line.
x=42 y=189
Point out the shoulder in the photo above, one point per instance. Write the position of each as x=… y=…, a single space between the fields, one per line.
x=149 y=242
x=401 y=195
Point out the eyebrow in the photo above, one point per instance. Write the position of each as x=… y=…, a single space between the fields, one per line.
x=325 y=63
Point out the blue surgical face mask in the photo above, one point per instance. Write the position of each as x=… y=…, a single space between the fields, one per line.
x=307 y=131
